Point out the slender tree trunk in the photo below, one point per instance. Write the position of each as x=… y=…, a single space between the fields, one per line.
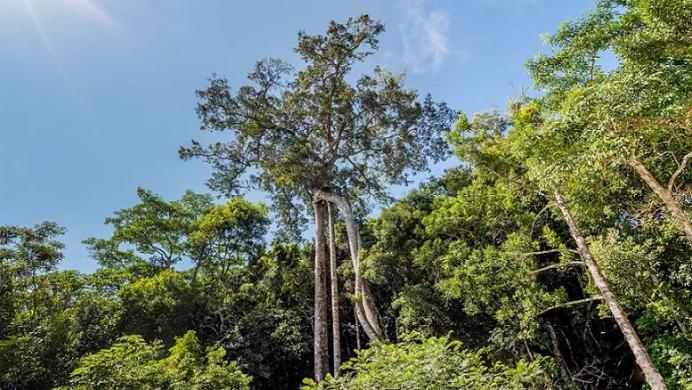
x=653 y=377
x=369 y=307
x=664 y=194
x=357 y=327
x=336 y=325
x=321 y=346
x=366 y=309
x=566 y=376
x=369 y=331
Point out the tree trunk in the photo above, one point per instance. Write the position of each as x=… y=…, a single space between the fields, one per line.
x=321 y=346
x=365 y=307
x=336 y=335
x=363 y=320
x=653 y=377
x=664 y=194
x=564 y=370
x=357 y=328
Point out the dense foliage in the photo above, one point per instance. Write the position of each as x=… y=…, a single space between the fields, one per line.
x=131 y=363
x=520 y=269
x=432 y=363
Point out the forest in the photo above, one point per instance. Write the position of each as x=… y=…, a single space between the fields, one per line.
x=556 y=255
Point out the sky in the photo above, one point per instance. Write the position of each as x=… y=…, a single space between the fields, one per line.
x=96 y=96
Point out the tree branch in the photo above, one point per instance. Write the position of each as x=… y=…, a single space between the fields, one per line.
x=681 y=167
x=553 y=266
x=571 y=303
x=545 y=252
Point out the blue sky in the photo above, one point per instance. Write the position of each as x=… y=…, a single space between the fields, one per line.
x=96 y=96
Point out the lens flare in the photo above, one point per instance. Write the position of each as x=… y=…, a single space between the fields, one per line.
x=86 y=9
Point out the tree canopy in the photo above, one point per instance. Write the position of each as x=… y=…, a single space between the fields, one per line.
x=293 y=131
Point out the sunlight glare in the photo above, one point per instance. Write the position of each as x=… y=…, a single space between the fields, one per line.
x=85 y=9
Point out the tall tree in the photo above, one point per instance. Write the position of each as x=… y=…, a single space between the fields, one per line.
x=155 y=230
x=311 y=135
x=491 y=143
x=26 y=254
x=637 y=113
x=653 y=377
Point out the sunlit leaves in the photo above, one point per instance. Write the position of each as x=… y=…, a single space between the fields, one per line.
x=132 y=363
x=433 y=363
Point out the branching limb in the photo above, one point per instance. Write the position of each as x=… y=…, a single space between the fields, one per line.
x=681 y=168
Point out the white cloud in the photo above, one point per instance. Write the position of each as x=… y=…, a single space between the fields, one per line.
x=425 y=36
x=91 y=10
x=514 y=5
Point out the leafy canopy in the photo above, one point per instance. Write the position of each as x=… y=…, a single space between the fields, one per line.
x=292 y=132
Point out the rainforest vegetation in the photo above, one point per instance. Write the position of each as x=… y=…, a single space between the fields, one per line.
x=558 y=254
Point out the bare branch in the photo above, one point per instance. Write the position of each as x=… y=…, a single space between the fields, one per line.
x=572 y=303
x=545 y=252
x=553 y=266
x=681 y=167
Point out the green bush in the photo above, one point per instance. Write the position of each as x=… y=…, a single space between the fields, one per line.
x=132 y=363
x=433 y=363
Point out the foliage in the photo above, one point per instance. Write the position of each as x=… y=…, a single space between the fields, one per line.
x=191 y=293
x=228 y=235
x=49 y=318
x=132 y=363
x=160 y=307
x=433 y=363
x=297 y=131
x=154 y=227
x=596 y=119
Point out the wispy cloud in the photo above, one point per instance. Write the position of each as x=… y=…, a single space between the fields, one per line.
x=93 y=11
x=425 y=36
x=515 y=5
